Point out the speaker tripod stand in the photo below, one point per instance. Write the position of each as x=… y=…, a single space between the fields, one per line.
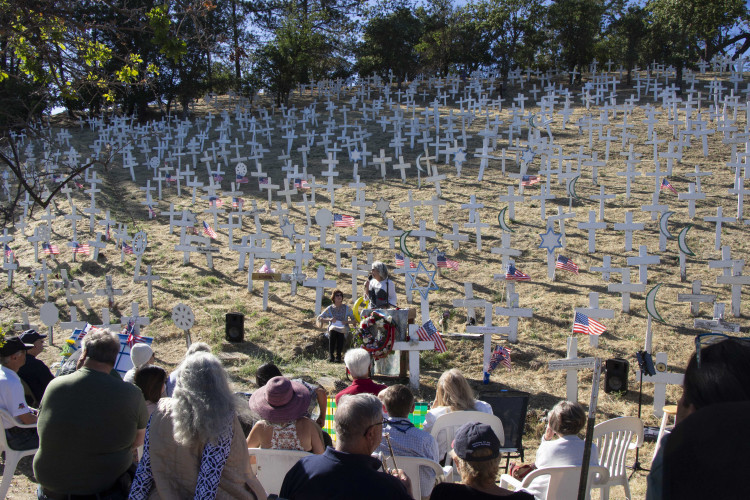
x=645 y=363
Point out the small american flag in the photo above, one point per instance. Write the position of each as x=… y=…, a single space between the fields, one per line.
x=500 y=355
x=151 y=212
x=589 y=326
x=55 y=178
x=50 y=249
x=241 y=179
x=529 y=180
x=170 y=178
x=107 y=234
x=218 y=178
x=262 y=181
x=400 y=262
x=80 y=248
x=78 y=334
x=665 y=184
x=237 y=202
x=78 y=185
x=216 y=200
x=9 y=253
x=209 y=232
x=133 y=338
x=428 y=332
x=343 y=220
x=127 y=248
x=566 y=263
x=513 y=274
x=443 y=261
x=301 y=184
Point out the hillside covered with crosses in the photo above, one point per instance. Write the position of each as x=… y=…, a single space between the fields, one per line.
x=532 y=207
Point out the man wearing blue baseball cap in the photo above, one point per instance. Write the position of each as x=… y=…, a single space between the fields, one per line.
x=13 y=357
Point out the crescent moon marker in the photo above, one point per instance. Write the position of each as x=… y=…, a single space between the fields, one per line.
x=419 y=167
x=531 y=122
x=402 y=244
x=572 y=187
x=663 y=220
x=682 y=243
x=501 y=220
x=651 y=304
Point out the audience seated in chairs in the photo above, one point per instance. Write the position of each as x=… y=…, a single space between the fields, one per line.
x=405 y=439
x=194 y=443
x=560 y=445
x=282 y=405
x=476 y=453
x=358 y=364
x=453 y=393
x=717 y=373
x=348 y=471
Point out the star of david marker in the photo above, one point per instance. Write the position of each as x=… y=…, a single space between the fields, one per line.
x=551 y=240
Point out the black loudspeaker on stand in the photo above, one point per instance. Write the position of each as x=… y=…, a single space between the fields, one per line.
x=235 y=327
x=616 y=377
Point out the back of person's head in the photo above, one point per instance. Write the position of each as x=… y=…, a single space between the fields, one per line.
x=477 y=449
x=266 y=372
x=354 y=414
x=358 y=362
x=203 y=402
x=398 y=400
x=567 y=418
x=102 y=346
x=151 y=379
x=454 y=391
x=723 y=375
x=197 y=347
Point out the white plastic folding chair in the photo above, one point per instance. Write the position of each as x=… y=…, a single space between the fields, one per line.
x=614 y=438
x=11 y=456
x=411 y=466
x=272 y=465
x=563 y=481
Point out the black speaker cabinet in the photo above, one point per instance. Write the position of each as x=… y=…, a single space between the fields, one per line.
x=616 y=377
x=235 y=327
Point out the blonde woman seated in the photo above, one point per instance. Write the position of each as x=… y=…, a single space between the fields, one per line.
x=476 y=453
x=453 y=394
x=282 y=404
x=560 y=444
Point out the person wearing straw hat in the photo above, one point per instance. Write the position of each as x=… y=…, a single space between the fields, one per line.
x=282 y=404
x=13 y=357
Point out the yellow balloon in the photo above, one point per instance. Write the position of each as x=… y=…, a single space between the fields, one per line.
x=356 y=307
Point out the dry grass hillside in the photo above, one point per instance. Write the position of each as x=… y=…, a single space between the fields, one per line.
x=286 y=332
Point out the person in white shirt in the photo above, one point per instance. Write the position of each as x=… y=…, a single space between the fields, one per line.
x=453 y=394
x=560 y=444
x=12 y=400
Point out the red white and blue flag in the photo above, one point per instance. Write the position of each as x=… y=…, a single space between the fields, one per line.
x=566 y=263
x=215 y=200
x=209 y=232
x=589 y=326
x=262 y=181
x=428 y=332
x=443 y=261
x=50 y=249
x=529 y=180
x=665 y=184
x=301 y=184
x=513 y=274
x=500 y=356
x=151 y=212
x=241 y=179
x=78 y=185
x=133 y=338
x=107 y=234
x=400 y=261
x=127 y=248
x=218 y=178
x=9 y=253
x=237 y=202
x=169 y=178
x=80 y=248
x=343 y=220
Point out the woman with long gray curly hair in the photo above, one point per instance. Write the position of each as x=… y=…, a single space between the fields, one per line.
x=196 y=430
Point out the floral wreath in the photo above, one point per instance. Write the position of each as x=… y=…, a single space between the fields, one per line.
x=377 y=334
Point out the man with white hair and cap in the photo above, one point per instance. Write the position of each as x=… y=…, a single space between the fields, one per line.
x=13 y=357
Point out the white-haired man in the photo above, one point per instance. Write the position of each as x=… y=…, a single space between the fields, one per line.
x=13 y=357
x=89 y=424
x=357 y=363
x=349 y=471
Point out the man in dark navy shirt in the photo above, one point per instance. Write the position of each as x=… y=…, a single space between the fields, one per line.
x=348 y=471
x=35 y=373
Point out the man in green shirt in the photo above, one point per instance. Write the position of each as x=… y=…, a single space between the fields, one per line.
x=89 y=425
